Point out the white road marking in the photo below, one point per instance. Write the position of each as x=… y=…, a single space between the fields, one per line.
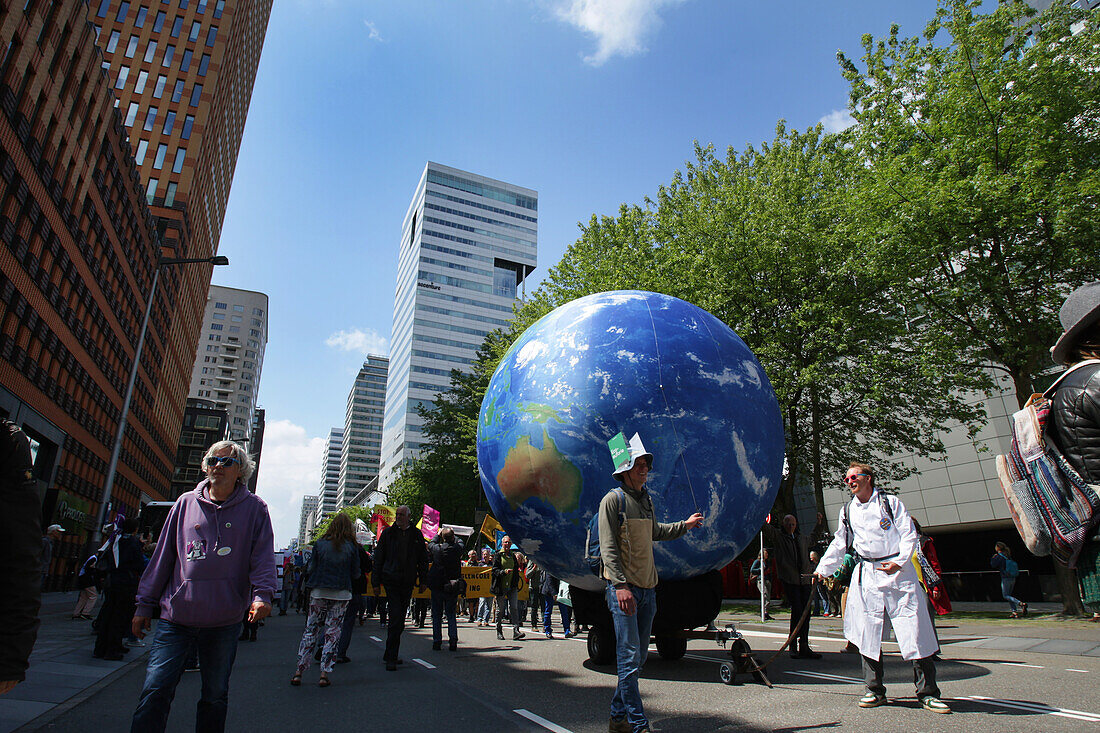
x=1034 y=707
x=422 y=663
x=1021 y=664
x=376 y=638
x=541 y=721
x=1078 y=670
x=823 y=676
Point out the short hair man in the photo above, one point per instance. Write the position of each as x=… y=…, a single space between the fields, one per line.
x=123 y=559
x=792 y=560
x=214 y=562
x=631 y=576
x=400 y=562
x=884 y=585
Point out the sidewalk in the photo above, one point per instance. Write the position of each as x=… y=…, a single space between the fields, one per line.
x=1037 y=633
x=63 y=671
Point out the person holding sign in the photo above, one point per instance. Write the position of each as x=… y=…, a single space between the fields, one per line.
x=628 y=529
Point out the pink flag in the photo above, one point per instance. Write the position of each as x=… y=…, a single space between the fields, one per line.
x=430 y=523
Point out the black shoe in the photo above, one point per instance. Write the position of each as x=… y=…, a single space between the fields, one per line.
x=343 y=660
x=252 y=637
x=453 y=646
x=391 y=667
x=500 y=635
x=517 y=635
x=242 y=637
x=437 y=646
x=809 y=654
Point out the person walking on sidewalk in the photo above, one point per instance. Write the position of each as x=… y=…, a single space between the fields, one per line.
x=333 y=566
x=878 y=531
x=20 y=555
x=215 y=558
x=1003 y=563
x=628 y=529
x=507 y=567
x=400 y=562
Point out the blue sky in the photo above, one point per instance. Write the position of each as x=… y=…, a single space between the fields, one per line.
x=592 y=103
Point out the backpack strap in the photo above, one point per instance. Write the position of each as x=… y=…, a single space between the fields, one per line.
x=1051 y=389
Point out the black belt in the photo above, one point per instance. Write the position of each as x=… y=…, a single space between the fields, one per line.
x=876 y=559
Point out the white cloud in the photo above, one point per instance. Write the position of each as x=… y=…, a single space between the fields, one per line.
x=838 y=120
x=366 y=341
x=290 y=468
x=374 y=34
x=619 y=26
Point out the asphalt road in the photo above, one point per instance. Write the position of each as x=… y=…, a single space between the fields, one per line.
x=499 y=686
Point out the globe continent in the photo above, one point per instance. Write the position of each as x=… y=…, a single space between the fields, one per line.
x=630 y=361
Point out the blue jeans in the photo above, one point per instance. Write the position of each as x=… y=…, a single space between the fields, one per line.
x=444 y=605
x=171 y=644
x=566 y=612
x=631 y=646
x=1007 y=584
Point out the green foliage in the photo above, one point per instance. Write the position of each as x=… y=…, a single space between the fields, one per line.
x=353 y=512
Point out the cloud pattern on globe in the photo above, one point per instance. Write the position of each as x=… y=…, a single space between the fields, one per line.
x=630 y=361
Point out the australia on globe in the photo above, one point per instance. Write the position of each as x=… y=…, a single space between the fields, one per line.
x=630 y=361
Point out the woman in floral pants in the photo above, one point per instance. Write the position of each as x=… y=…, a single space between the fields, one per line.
x=332 y=567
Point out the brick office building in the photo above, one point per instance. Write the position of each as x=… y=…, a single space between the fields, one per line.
x=77 y=261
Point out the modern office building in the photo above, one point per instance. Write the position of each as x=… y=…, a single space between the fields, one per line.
x=362 y=446
x=328 y=494
x=204 y=424
x=308 y=519
x=78 y=250
x=182 y=73
x=230 y=356
x=256 y=444
x=467 y=245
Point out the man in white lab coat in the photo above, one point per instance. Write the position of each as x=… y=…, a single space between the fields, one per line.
x=884 y=587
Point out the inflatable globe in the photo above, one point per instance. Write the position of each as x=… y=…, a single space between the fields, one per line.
x=630 y=361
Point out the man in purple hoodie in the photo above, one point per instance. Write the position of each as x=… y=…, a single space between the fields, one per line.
x=214 y=562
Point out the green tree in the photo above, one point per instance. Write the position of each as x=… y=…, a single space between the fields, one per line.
x=353 y=512
x=982 y=154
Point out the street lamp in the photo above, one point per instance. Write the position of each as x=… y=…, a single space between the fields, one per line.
x=112 y=466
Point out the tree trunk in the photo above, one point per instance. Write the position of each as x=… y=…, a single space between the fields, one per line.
x=1023 y=386
x=1070 y=590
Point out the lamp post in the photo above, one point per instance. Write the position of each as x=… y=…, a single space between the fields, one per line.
x=112 y=465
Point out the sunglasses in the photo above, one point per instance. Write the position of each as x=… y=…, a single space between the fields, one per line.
x=852 y=479
x=212 y=461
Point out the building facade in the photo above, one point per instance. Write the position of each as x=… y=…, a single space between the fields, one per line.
x=230 y=356
x=328 y=494
x=468 y=243
x=78 y=251
x=362 y=446
x=204 y=424
x=308 y=519
x=256 y=444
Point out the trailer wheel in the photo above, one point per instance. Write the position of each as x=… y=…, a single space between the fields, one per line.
x=601 y=645
x=671 y=647
x=727 y=673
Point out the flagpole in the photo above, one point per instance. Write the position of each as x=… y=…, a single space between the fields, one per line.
x=762 y=580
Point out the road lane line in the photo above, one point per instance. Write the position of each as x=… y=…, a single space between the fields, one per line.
x=377 y=639
x=1078 y=670
x=1034 y=707
x=1021 y=664
x=422 y=663
x=824 y=676
x=541 y=721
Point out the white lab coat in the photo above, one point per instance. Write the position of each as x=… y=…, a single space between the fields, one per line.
x=875 y=597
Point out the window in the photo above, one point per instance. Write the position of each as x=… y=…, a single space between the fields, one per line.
x=162 y=150
x=204 y=64
x=196 y=93
x=177 y=164
x=216 y=327
x=158 y=90
x=221 y=306
x=188 y=122
x=123 y=9
x=238 y=308
x=151 y=191
x=158 y=24
x=185 y=62
x=169 y=52
x=211 y=35
x=202 y=7
x=218 y=8
x=139 y=157
x=103 y=7
x=257 y=311
x=234 y=329
x=177 y=26
x=177 y=91
x=131 y=47
x=131 y=114
x=170 y=195
x=142 y=12
x=169 y=122
x=150 y=51
x=150 y=119
x=122 y=74
x=235 y=319
x=143 y=76
x=219 y=316
x=257 y=322
x=253 y=332
x=112 y=42
x=196 y=28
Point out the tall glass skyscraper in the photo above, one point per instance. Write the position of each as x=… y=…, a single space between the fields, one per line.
x=362 y=446
x=468 y=242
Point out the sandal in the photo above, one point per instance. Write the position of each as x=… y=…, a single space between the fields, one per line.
x=323 y=682
x=296 y=680
x=1014 y=615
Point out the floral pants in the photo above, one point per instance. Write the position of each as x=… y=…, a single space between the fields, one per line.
x=327 y=614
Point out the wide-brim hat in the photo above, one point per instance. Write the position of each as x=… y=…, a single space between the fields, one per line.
x=1080 y=311
x=637 y=450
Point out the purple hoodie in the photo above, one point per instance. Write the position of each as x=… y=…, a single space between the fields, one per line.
x=212 y=562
